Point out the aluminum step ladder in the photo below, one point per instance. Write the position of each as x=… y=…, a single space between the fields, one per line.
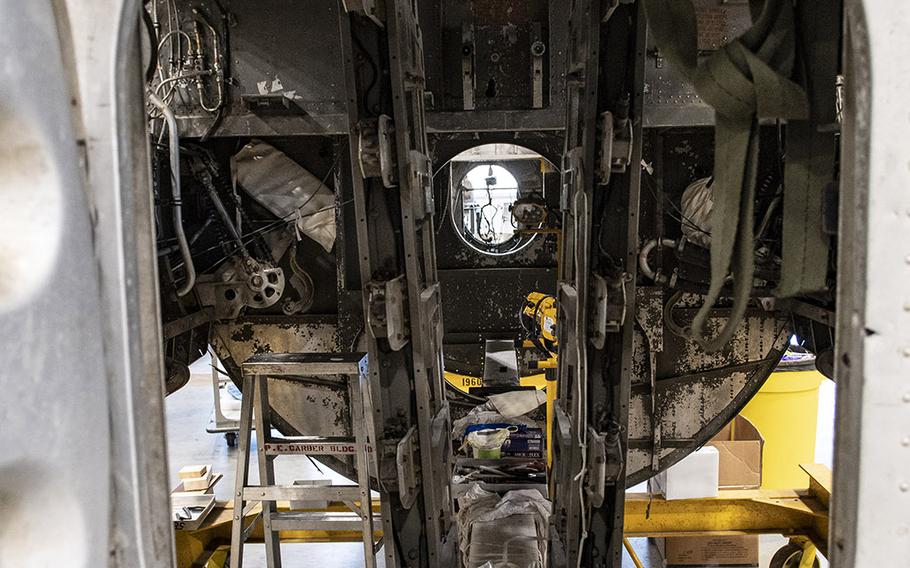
x=255 y=405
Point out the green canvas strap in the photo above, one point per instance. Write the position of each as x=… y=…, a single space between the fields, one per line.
x=746 y=80
x=804 y=266
x=811 y=150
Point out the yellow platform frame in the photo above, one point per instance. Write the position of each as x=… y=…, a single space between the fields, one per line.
x=801 y=515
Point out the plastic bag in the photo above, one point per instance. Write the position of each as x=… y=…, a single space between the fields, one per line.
x=506 y=532
x=697 y=203
x=487 y=443
x=484 y=415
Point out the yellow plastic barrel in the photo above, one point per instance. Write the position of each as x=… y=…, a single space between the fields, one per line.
x=785 y=411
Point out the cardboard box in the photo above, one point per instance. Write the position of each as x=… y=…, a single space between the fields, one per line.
x=194 y=471
x=216 y=477
x=195 y=477
x=198 y=483
x=739 y=446
x=524 y=443
x=694 y=477
x=739 y=550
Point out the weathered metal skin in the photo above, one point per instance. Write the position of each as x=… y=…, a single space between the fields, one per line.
x=308 y=405
x=697 y=392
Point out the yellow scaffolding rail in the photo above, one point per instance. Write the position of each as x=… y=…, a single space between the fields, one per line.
x=801 y=515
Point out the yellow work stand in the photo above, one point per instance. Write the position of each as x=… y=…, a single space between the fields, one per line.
x=801 y=515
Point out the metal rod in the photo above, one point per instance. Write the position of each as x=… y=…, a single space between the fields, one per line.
x=632 y=554
x=226 y=218
x=174 y=144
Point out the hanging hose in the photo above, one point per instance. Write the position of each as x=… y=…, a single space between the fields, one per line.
x=174 y=143
x=643 y=262
x=199 y=18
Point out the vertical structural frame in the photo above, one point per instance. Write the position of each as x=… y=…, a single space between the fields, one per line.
x=395 y=238
x=870 y=524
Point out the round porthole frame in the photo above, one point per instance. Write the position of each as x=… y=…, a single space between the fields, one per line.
x=511 y=246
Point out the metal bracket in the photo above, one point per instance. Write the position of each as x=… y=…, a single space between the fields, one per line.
x=239 y=284
x=500 y=366
x=599 y=301
x=467 y=66
x=607 y=9
x=605 y=462
x=538 y=48
x=388 y=311
x=271 y=104
x=573 y=173
x=183 y=324
x=563 y=426
x=567 y=300
x=386 y=470
x=421 y=171
x=408 y=464
x=430 y=299
x=372 y=9
x=597 y=461
x=376 y=150
x=441 y=432
x=615 y=153
x=615 y=457
x=622 y=145
x=605 y=317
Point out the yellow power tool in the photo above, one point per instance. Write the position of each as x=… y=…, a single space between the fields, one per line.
x=538 y=318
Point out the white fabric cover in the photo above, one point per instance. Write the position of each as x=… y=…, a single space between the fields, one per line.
x=697 y=202
x=286 y=189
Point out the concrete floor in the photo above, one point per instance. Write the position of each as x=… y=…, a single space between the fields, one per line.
x=189 y=411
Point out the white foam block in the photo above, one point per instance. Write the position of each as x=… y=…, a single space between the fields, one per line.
x=694 y=477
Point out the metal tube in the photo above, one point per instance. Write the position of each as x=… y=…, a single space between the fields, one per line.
x=174 y=143
x=155 y=24
x=189 y=75
x=216 y=66
x=766 y=220
x=632 y=554
x=226 y=218
x=643 y=263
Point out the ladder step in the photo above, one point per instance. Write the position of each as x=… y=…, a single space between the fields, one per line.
x=312 y=445
x=301 y=493
x=304 y=364
x=331 y=521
